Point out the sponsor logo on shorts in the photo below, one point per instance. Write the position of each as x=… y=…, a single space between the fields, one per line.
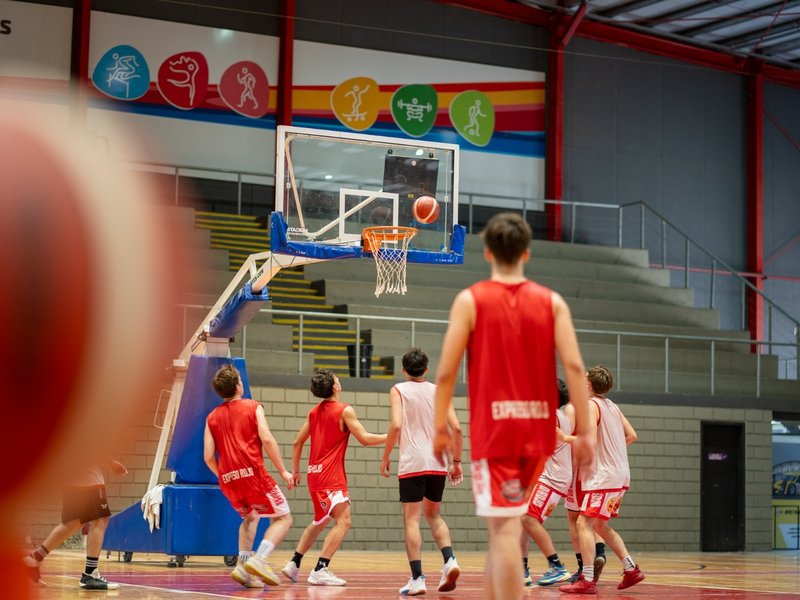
x=519 y=409
x=540 y=497
x=595 y=500
x=550 y=508
x=323 y=504
x=512 y=490
x=613 y=505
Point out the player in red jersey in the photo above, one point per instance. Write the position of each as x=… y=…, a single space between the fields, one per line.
x=235 y=433
x=603 y=483
x=512 y=329
x=329 y=424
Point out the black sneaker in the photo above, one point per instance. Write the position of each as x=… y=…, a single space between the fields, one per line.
x=574 y=577
x=33 y=571
x=599 y=563
x=93 y=581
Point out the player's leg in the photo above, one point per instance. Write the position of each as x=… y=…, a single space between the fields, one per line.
x=307 y=539
x=412 y=511
x=247 y=535
x=441 y=533
x=572 y=520
x=503 y=571
x=92 y=508
x=556 y=571
x=322 y=575
x=525 y=546
x=599 y=556
x=585 y=583
x=55 y=538
x=632 y=574
x=271 y=503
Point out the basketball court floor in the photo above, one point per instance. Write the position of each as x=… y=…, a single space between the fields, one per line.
x=378 y=576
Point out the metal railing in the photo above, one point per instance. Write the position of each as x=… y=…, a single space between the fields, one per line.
x=618 y=366
x=696 y=267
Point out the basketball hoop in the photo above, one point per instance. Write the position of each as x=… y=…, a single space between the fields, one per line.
x=389 y=246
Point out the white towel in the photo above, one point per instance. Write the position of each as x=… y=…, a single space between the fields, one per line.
x=151 y=506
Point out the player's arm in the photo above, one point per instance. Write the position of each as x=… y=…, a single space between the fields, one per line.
x=630 y=432
x=456 y=472
x=297 y=450
x=574 y=372
x=364 y=437
x=271 y=446
x=395 y=423
x=210 y=451
x=563 y=436
x=462 y=319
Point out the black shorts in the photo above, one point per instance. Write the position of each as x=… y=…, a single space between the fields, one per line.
x=85 y=504
x=414 y=489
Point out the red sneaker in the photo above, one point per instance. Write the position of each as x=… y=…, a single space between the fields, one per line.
x=579 y=587
x=630 y=578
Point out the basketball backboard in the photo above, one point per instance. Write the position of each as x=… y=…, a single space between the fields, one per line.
x=330 y=185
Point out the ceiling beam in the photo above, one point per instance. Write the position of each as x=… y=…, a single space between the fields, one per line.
x=680 y=13
x=625 y=7
x=765 y=11
x=745 y=39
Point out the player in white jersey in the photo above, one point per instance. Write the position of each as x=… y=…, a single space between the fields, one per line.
x=603 y=484
x=421 y=476
x=552 y=486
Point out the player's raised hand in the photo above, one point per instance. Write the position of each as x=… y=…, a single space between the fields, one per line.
x=385 y=467
x=442 y=445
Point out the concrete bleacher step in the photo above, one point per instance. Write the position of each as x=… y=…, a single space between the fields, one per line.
x=278 y=361
x=475 y=270
x=579 y=252
x=342 y=291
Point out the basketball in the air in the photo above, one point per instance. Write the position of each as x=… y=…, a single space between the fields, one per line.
x=426 y=209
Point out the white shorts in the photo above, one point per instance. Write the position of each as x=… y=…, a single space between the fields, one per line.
x=543 y=501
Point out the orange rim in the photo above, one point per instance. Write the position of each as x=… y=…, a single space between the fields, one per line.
x=372 y=237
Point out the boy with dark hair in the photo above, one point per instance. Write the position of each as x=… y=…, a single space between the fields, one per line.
x=329 y=424
x=512 y=329
x=602 y=484
x=421 y=477
x=236 y=431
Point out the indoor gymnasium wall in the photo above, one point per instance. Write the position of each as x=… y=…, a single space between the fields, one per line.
x=661 y=512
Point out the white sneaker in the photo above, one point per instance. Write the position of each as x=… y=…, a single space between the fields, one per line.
x=259 y=568
x=325 y=577
x=240 y=575
x=290 y=570
x=450 y=573
x=414 y=587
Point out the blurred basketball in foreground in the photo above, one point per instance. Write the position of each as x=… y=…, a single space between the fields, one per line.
x=426 y=209
x=88 y=277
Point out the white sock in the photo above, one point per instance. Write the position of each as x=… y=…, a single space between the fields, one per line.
x=243 y=556
x=628 y=564
x=265 y=548
x=588 y=573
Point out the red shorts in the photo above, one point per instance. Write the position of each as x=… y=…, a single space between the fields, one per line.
x=324 y=501
x=267 y=502
x=501 y=485
x=543 y=501
x=602 y=504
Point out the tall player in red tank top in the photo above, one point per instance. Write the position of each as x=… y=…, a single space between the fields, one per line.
x=512 y=329
x=235 y=433
x=329 y=424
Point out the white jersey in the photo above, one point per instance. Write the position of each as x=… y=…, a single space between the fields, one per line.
x=610 y=470
x=558 y=468
x=90 y=477
x=417 y=431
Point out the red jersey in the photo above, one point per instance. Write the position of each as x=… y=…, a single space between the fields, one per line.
x=512 y=371
x=328 y=447
x=241 y=464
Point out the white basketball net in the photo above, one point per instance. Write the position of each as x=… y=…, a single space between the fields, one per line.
x=389 y=248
